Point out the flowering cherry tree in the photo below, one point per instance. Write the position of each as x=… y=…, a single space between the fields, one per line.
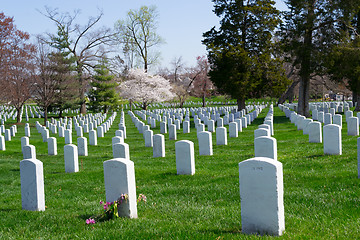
x=144 y=88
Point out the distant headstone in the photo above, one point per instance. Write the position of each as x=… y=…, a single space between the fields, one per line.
x=262 y=193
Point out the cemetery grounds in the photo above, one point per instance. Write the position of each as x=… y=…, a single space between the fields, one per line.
x=321 y=192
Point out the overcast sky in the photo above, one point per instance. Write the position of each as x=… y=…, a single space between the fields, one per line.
x=181 y=23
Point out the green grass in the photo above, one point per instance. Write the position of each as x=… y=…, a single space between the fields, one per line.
x=321 y=193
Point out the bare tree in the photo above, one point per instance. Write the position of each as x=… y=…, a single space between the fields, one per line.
x=15 y=64
x=85 y=43
x=138 y=34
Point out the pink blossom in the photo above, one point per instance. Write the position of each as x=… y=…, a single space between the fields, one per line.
x=90 y=221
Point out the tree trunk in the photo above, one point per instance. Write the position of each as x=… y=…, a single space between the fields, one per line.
x=83 y=108
x=289 y=93
x=355 y=98
x=241 y=104
x=18 y=116
x=357 y=109
x=144 y=106
x=203 y=100
x=305 y=69
x=60 y=113
x=303 y=104
x=45 y=115
x=130 y=104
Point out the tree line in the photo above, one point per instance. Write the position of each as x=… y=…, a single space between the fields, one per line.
x=315 y=38
x=257 y=51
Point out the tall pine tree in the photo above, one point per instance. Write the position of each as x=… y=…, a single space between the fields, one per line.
x=309 y=32
x=103 y=95
x=240 y=52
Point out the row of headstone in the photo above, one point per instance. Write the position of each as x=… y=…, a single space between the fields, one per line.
x=330 y=134
x=261 y=185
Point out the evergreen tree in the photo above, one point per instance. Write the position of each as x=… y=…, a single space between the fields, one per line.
x=344 y=61
x=103 y=95
x=309 y=32
x=62 y=62
x=240 y=52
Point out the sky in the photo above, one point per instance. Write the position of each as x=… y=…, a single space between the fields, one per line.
x=181 y=23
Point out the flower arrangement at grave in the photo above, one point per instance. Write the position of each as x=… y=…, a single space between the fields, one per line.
x=110 y=209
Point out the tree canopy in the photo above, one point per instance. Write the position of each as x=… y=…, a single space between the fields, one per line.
x=241 y=51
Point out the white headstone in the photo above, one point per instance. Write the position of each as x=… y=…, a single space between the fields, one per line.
x=233 y=131
x=7 y=135
x=100 y=131
x=29 y=152
x=186 y=127
x=71 y=158
x=148 y=135
x=52 y=146
x=27 y=131
x=353 y=126
x=24 y=141
x=119 y=176
x=172 y=132
x=260 y=132
x=337 y=119
x=159 y=145
x=32 y=185
x=121 y=150
x=92 y=138
x=82 y=146
x=315 y=133
x=185 y=160
x=2 y=143
x=266 y=147
x=68 y=136
x=262 y=196
x=358 y=156
x=221 y=136
x=205 y=143
x=332 y=139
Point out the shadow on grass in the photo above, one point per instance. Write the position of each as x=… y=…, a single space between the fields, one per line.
x=315 y=156
x=281 y=119
x=15 y=170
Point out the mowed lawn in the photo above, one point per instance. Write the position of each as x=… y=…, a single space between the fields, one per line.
x=321 y=192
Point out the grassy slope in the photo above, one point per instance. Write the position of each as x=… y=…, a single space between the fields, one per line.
x=321 y=192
